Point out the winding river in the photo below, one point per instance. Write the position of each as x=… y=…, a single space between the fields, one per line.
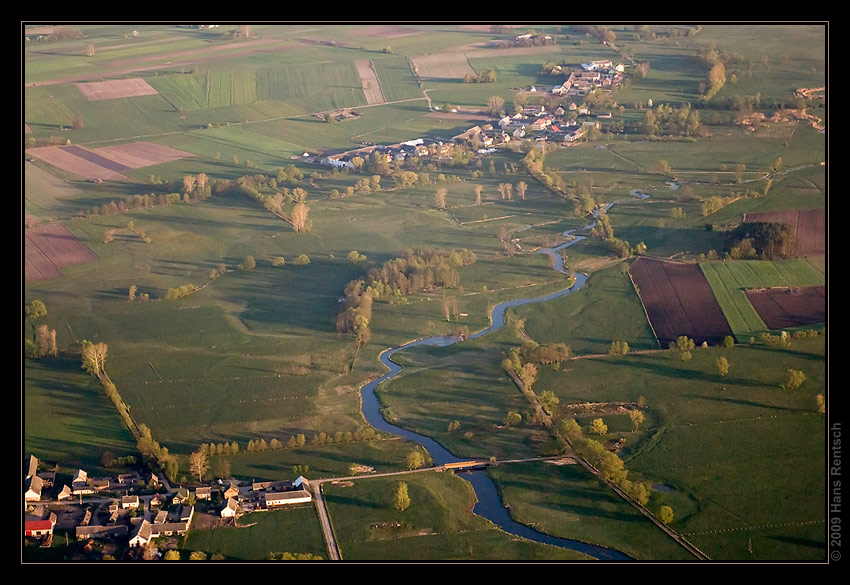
x=489 y=504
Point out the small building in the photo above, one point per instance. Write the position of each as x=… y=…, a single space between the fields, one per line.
x=39 y=528
x=32 y=493
x=30 y=466
x=161 y=517
x=180 y=496
x=65 y=494
x=230 y=508
x=280 y=499
x=203 y=493
x=129 y=502
x=232 y=491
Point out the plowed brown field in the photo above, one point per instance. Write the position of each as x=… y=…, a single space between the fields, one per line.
x=809 y=226
x=678 y=301
x=49 y=248
x=789 y=307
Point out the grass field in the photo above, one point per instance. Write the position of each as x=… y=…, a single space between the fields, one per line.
x=260 y=534
x=559 y=500
x=749 y=428
x=438 y=525
x=729 y=279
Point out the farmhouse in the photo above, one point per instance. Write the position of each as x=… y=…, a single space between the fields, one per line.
x=30 y=466
x=33 y=489
x=279 y=499
x=146 y=531
x=38 y=528
x=230 y=508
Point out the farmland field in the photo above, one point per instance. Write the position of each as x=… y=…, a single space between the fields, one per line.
x=809 y=228
x=679 y=301
x=729 y=280
x=183 y=213
x=789 y=307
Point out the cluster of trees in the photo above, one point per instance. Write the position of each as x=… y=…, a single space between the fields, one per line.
x=666 y=120
x=364 y=433
x=175 y=293
x=545 y=354
x=43 y=340
x=618 y=348
x=622 y=248
x=420 y=269
x=213 y=449
x=765 y=240
x=356 y=312
x=487 y=76
x=684 y=345
x=143 y=201
x=715 y=79
x=156 y=455
x=609 y=465
x=197 y=187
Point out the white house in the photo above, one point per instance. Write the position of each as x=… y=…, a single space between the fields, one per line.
x=230 y=509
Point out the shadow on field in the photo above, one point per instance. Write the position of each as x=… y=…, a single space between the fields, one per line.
x=745 y=403
x=685 y=374
x=357 y=502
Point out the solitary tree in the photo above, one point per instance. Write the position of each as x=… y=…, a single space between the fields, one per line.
x=637 y=418
x=821 y=403
x=513 y=418
x=793 y=379
x=496 y=105
x=598 y=427
x=35 y=310
x=198 y=463
x=415 y=460
x=94 y=356
x=722 y=365
x=248 y=264
x=478 y=190
x=521 y=188
x=665 y=514
x=401 y=500
x=299 y=217
x=440 y=198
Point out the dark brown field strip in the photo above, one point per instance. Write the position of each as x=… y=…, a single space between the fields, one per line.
x=679 y=301
x=789 y=307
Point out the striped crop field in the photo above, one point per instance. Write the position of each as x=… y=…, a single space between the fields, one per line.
x=185 y=92
x=729 y=280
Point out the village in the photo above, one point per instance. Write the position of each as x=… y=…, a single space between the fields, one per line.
x=123 y=514
x=532 y=122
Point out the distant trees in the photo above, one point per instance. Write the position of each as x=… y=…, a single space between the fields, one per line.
x=248 y=263
x=665 y=514
x=637 y=417
x=618 y=348
x=598 y=427
x=793 y=379
x=440 y=198
x=722 y=365
x=496 y=105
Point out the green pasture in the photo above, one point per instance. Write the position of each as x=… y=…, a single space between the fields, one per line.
x=750 y=431
x=438 y=525
x=67 y=418
x=605 y=310
x=729 y=280
x=567 y=501
x=258 y=535
x=331 y=460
